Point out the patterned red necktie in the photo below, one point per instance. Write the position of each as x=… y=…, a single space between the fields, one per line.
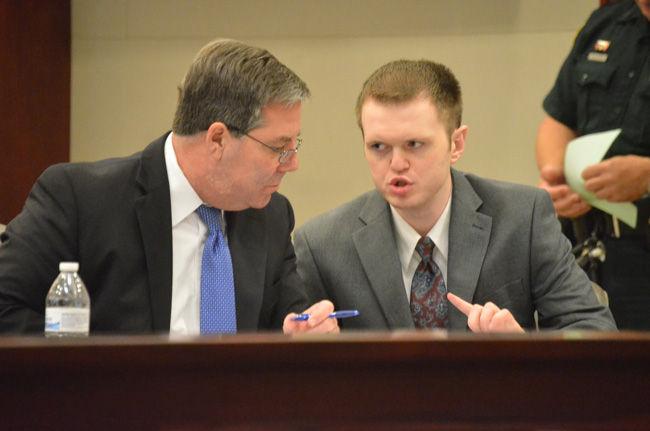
x=428 y=292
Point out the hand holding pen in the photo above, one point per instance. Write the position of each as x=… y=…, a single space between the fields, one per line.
x=316 y=319
x=335 y=315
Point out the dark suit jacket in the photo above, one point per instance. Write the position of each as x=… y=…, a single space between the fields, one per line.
x=505 y=246
x=114 y=218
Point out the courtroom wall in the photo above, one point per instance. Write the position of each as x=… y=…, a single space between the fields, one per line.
x=128 y=57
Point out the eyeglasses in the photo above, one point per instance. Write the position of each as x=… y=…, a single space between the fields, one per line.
x=284 y=154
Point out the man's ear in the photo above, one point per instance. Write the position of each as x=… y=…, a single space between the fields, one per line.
x=458 y=143
x=217 y=138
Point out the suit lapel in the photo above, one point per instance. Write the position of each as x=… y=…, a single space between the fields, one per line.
x=375 y=244
x=469 y=234
x=246 y=230
x=153 y=211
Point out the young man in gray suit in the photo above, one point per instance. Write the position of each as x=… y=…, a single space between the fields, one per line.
x=494 y=250
x=136 y=227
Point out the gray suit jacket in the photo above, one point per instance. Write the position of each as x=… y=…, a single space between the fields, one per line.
x=505 y=246
x=114 y=218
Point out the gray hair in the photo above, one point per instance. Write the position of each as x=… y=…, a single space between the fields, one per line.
x=231 y=82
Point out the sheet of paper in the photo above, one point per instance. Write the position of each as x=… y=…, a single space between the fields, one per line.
x=589 y=150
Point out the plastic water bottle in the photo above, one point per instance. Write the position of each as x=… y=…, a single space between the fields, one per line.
x=67 y=306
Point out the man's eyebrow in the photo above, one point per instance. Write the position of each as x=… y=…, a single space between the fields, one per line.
x=284 y=139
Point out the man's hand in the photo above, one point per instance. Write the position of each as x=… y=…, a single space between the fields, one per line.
x=566 y=202
x=485 y=318
x=619 y=179
x=318 y=323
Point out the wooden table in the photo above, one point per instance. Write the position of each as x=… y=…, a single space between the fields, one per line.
x=353 y=381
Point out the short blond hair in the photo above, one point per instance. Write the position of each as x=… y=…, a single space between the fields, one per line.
x=404 y=80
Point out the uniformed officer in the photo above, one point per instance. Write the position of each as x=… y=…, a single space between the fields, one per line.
x=604 y=84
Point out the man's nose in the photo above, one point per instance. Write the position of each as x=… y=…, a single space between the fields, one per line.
x=291 y=164
x=398 y=162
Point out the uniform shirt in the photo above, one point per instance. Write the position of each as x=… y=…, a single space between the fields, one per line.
x=604 y=83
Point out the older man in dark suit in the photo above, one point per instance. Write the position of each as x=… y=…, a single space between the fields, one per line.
x=137 y=225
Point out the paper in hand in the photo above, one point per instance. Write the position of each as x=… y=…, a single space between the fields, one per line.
x=589 y=150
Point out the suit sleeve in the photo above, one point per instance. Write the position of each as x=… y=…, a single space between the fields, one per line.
x=307 y=269
x=40 y=237
x=291 y=295
x=562 y=291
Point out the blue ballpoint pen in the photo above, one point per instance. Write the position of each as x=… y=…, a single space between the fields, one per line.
x=337 y=314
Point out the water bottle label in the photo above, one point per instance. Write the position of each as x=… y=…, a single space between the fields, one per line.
x=67 y=319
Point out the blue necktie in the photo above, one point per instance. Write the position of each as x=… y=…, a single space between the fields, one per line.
x=428 y=291
x=217 y=282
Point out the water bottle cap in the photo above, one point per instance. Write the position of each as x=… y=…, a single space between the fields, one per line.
x=69 y=266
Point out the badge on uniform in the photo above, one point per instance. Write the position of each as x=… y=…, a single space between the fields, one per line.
x=601 y=48
x=602 y=45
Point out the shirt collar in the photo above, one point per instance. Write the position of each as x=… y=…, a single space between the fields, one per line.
x=407 y=238
x=184 y=199
x=632 y=13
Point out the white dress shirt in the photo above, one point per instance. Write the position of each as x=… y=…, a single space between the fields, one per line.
x=189 y=234
x=407 y=238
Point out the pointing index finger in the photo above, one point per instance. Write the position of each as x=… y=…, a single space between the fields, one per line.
x=464 y=306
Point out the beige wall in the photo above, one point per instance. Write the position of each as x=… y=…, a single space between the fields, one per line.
x=128 y=57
